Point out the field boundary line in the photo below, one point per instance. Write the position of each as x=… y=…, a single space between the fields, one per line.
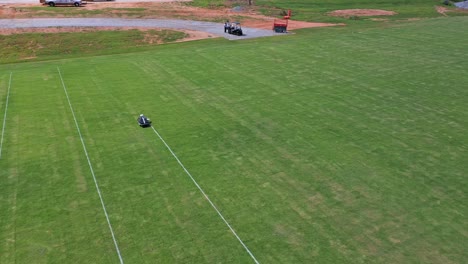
x=91 y=168
x=206 y=196
x=5 y=115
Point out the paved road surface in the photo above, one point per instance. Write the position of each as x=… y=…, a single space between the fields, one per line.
x=210 y=27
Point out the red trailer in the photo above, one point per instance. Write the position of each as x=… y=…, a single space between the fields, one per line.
x=281 y=25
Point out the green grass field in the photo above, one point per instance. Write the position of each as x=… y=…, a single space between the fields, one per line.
x=333 y=145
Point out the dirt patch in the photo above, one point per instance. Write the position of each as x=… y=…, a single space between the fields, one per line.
x=441 y=10
x=361 y=12
x=379 y=19
x=196 y=35
x=7 y=12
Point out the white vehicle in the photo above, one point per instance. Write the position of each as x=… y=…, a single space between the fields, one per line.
x=62 y=2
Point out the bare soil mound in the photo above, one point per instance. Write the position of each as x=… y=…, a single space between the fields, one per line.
x=361 y=12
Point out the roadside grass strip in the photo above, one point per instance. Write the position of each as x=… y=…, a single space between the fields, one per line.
x=91 y=169
x=5 y=114
x=206 y=196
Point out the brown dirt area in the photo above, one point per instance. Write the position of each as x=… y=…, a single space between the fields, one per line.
x=361 y=12
x=441 y=10
x=174 y=10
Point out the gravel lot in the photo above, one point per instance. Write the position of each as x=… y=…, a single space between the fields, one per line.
x=210 y=27
x=463 y=4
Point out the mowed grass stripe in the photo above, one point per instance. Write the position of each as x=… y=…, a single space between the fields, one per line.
x=51 y=214
x=240 y=176
x=7 y=237
x=91 y=168
x=237 y=146
x=206 y=196
x=378 y=111
x=159 y=212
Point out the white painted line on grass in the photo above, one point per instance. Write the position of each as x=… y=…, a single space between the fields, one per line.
x=206 y=196
x=5 y=115
x=91 y=168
